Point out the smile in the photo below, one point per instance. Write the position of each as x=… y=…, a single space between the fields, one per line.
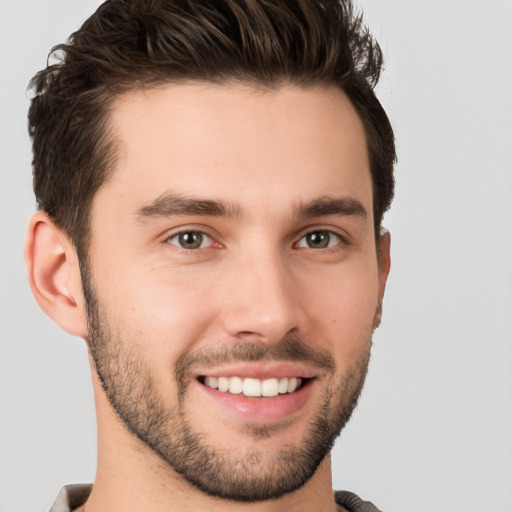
x=251 y=387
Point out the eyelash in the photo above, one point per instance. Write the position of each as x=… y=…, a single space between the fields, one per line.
x=339 y=240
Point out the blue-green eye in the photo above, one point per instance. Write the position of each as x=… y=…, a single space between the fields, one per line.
x=321 y=239
x=190 y=240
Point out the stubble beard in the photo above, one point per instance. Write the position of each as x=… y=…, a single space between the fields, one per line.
x=133 y=393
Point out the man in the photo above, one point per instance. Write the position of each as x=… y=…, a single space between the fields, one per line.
x=211 y=179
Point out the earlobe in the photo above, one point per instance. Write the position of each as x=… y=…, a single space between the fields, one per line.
x=54 y=274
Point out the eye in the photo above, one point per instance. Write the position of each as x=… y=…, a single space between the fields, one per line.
x=321 y=239
x=190 y=240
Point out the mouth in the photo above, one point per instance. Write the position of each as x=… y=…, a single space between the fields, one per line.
x=266 y=392
x=252 y=387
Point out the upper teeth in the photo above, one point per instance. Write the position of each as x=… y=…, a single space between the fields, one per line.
x=254 y=387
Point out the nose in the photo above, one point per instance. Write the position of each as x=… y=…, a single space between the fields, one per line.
x=260 y=303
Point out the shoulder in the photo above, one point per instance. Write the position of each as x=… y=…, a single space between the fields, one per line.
x=71 y=497
x=353 y=503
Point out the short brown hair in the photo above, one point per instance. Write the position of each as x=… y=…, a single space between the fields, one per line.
x=128 y=44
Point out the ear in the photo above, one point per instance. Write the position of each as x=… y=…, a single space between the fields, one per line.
x=384 y=260
x=54 y=274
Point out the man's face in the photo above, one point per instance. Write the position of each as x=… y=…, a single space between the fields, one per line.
x=233 y=281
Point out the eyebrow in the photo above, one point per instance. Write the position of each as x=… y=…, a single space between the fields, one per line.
x=169 y=204
x=323 y=206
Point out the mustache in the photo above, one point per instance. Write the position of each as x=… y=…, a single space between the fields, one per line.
x=244 y=352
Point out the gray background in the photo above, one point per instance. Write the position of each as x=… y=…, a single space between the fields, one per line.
x=434 y=428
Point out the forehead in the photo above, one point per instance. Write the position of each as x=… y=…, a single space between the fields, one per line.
x=238 y=143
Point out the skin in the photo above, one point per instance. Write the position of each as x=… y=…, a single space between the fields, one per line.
x=254 y=281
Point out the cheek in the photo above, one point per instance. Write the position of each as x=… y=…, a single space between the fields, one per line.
x=342 y=305
x=163 y=312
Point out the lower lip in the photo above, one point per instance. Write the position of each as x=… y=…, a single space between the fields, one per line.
x=261 y=409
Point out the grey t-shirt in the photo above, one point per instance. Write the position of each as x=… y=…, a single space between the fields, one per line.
x=73 y=496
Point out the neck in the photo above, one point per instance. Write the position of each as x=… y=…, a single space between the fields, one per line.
x=130 y=490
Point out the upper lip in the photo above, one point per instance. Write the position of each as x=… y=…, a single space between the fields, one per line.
x=262 y=371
